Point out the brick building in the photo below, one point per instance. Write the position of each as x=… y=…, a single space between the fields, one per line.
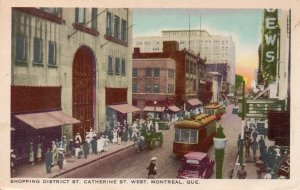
x=189 y=73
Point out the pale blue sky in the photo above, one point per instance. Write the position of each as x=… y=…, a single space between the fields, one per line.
x=244 y=24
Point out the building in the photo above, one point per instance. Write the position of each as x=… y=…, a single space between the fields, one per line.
x=215 y=48
x=153 y=84
x=82 y=56
x=189 y=73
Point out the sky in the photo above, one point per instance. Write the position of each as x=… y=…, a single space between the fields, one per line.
x=244 y=25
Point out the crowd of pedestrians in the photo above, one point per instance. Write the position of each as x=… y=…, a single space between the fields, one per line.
x=268 y=158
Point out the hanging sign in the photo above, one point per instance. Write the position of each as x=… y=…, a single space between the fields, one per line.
x=270 y=44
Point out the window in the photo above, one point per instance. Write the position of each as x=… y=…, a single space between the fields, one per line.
x=52 y=10
x=124 y=30
x=110 y=65
x=134 y=72
x=116 y=26
x=21 y=48
x=94 y=18
x=156 y=72
x=186 y=136
x=108 y=23
x=123 y=66
x=80 y=15
x=37 y=50
x=156 y=88
x=117 y=68
x=148 y=72
x=134 y=87
x=148 y=88
x=171 y=73
x=170 y=88
x=52 y=53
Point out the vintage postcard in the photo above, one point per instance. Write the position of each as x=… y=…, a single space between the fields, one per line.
x=168 y=95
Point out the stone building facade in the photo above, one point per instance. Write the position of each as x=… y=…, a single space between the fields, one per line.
x=84 y=51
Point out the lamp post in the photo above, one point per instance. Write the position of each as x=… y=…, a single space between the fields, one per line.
x=154 y=102
x=241 y=144
x=220 y=141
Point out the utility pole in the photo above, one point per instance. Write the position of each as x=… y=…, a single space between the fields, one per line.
x=241 y=144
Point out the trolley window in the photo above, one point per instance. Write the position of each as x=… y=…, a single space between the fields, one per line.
x=186 y=136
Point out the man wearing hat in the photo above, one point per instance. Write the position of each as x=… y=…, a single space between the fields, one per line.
x=152 y=169
x=48 y=160
x=60 y=158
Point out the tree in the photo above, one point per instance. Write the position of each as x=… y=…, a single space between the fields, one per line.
x=238 y=82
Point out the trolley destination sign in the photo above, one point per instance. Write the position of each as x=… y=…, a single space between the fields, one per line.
x=259 y=108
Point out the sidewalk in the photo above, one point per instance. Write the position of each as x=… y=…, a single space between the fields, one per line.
x=39 y=169
x=250 y=166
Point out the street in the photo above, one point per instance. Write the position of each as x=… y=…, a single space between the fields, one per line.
x=130 y=164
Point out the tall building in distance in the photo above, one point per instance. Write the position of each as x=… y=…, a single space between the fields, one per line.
x=216 y=49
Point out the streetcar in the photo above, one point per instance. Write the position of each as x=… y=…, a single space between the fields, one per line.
x=214 y=109
x=194 y=134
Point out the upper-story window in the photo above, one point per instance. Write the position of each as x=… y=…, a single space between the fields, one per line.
x=148 y=72
x=123 y=67
x=171 y=73
x=110 y=65
x=148 y=88
x=94 y=18
x=156 y=72
x=134 y=72
x=38 y=50
x=134 y=87
x=116 y=26
x=117 y=66
x=51 y=53
x=80 y=15
x=124 y=30
x=21 y=48
x=156 y=88
x=52 y=10
x=108 y=23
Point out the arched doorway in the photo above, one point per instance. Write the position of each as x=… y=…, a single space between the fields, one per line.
x=84 y=90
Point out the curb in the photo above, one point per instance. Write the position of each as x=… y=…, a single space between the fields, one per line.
x=87 y=163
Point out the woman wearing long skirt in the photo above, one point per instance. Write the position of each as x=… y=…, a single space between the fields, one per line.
x=60 y=158
x=115 y=136
x=39 y=152
x=31 y=154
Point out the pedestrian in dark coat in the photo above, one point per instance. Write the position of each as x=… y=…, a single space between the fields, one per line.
x=254 y=147
x=60 y=158
x=48 y=160
x=152 y=169
x=85 y=148
x=72 y=147
x=94 y=145
x=262 y=147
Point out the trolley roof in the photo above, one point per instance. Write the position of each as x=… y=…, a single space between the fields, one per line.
x=197 y=121
x=213 y=106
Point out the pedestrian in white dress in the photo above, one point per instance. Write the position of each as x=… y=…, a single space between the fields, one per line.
x=100 y=144
x=31 y=153
x=156 y=126
x=106 y=144
x=39 y=152
x=115 y=136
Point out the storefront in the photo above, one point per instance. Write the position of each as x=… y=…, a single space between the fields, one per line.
x=36 y=117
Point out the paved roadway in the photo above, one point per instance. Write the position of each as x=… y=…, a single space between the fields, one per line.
x=129 y=164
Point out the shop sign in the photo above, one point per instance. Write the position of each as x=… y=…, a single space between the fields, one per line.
x=270 y=44
x=259 y=108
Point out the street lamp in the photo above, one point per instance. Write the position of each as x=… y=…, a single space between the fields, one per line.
x=220 y=141
x=242 y=115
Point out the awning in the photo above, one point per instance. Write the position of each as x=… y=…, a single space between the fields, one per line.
x=174 y=108
x=47 y=119
x=154 y=109
x=124 y=108
x=194 y=102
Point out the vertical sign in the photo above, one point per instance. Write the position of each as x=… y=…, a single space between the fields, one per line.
x=270 y=44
